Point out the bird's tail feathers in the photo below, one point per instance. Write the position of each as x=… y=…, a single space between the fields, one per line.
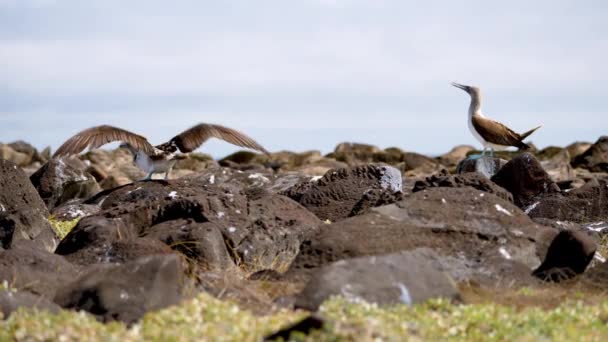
x=528 y=133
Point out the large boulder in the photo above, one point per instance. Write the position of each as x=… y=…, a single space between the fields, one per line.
x=525 y=178
x=125 y=292
x=339 y=193
x=470 y=179
x=10 y=301
x=588 y=203
x=35 y=270
x=23 y=215
x=62 y=180
x=568 y=255
x=401 y=278
x=483 y=237
x=595 y=158
x=259 y=229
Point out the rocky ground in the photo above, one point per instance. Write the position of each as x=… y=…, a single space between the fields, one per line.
x=299 y=241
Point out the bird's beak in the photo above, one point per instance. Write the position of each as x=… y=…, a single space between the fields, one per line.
x=461 y=86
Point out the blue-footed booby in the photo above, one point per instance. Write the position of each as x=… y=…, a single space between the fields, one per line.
x=491 y=134
x=154 y=159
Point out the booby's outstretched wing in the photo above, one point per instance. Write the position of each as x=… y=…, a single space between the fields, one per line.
x=95 y=137
x=496 y=133
x=190 y=139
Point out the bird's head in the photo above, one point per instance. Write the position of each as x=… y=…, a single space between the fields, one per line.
x=473 y=91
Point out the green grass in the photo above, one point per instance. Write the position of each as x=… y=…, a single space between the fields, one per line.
x=206 y=318
x=62 y=228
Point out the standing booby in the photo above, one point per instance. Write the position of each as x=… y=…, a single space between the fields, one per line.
x=159 y=158
x=491 y=133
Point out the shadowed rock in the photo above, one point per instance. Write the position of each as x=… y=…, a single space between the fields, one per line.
x=62 y=180
x=525 y=178
x=472 y=179
x=10 y=301
x=125 y=292
x=595 y=158
x=401 y=278
x=23 y=215
x=568 y=255
x=335 y=195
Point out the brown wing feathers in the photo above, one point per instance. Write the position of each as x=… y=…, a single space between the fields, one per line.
x=192 y=138
x=499 y=134
x=95 y=137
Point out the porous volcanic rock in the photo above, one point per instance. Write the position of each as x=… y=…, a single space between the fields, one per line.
x=401 y=278
x=125 y=292
x=588 y=203
x=23 y=215
x=62 y=180
x=483 y=237
x=335 y=195
x=35 y=270
x=118 y=252
x=595 y=158
x=525 y=178
x=472 y=179
x=10 y=301
x=261 y=230
x=568 y=255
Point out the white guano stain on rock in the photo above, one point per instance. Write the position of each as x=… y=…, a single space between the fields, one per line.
x=212 y=179
x=502 y=210
x=231 y=229
x=172 y=194
x=504 y=253
x=220 y=214
x=404 y=296
x=531 y=207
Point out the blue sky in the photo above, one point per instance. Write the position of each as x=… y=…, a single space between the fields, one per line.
x=301 y=75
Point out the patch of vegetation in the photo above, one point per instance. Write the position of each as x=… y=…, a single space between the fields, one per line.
x=62 y=228
x=207 y=318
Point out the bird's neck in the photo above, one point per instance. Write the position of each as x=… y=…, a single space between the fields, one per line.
x=475 y=106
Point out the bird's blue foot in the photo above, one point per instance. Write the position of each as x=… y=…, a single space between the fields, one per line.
x=475 y=156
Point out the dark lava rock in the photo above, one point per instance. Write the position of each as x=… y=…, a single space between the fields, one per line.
x=335 y=195
x=588 y=203
x=568 y=255
x=485 y=237
x=61 y=180
x=486 y=166
x=10 y=301
x=261 y=230
x=303 y=327
x=401 y=278
x=125 y=292
x=73 y=210
x=200 y=241
x=35 y=270
x=595 y=158
x=118 y=252
x=472 y=179
x=23 y=215
x=525 y=178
